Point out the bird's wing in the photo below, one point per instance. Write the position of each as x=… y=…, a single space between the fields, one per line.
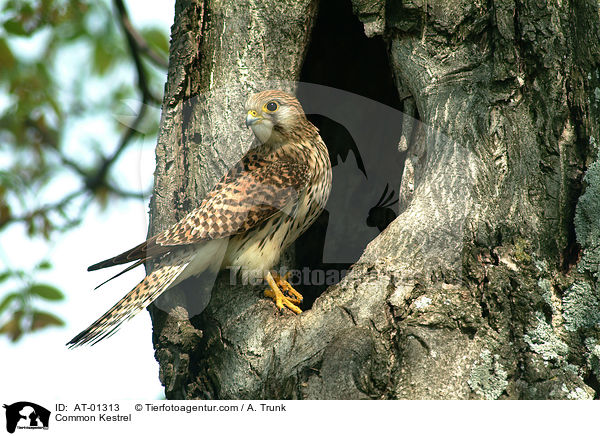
x=150 y=249
x=241 y=204
x=237 y=204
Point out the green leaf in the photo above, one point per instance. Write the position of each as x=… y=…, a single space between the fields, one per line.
x=5 y=214
x=103 y=58
x=45 y=319
x=7 y=300
x=156 y=39
x=15 y=27
x=7 y=59
x=46 y=292
x=4 y=275
x=44 y=264
x=13 y=327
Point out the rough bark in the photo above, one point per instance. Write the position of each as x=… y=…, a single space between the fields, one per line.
x=474 y=290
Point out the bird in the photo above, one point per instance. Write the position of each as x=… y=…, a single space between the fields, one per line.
x=260 y=207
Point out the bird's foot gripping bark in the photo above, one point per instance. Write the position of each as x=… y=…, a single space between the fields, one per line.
x=282 y=293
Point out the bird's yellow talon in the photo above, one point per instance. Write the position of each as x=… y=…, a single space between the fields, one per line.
x=288 y=298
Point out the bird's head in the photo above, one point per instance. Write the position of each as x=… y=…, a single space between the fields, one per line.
x=273 y=115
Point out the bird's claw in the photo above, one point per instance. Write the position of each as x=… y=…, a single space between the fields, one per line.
x=282 y=293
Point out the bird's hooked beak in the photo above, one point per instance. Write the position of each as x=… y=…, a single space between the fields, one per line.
x=252 y=118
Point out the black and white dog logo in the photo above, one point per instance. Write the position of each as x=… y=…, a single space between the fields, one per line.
x=26 y=415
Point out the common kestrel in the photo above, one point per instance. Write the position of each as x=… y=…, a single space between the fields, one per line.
x=258 y=209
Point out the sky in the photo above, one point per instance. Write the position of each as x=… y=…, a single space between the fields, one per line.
x=123 y=367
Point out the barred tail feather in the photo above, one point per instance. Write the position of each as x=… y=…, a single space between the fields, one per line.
x=129 y=268
x=136 y=300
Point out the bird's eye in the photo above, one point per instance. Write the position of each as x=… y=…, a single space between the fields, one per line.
x=271 y=106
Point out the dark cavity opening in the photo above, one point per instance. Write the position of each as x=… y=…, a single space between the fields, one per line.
x=360 y=121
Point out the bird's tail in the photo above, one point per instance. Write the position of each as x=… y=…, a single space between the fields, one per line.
x=148 y=290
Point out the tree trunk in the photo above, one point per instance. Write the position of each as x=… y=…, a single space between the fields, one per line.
x=485 y=286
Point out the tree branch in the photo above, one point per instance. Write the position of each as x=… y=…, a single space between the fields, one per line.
x=134 y=48
x=128 y=194
x=133 y=42
x=141 y=45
